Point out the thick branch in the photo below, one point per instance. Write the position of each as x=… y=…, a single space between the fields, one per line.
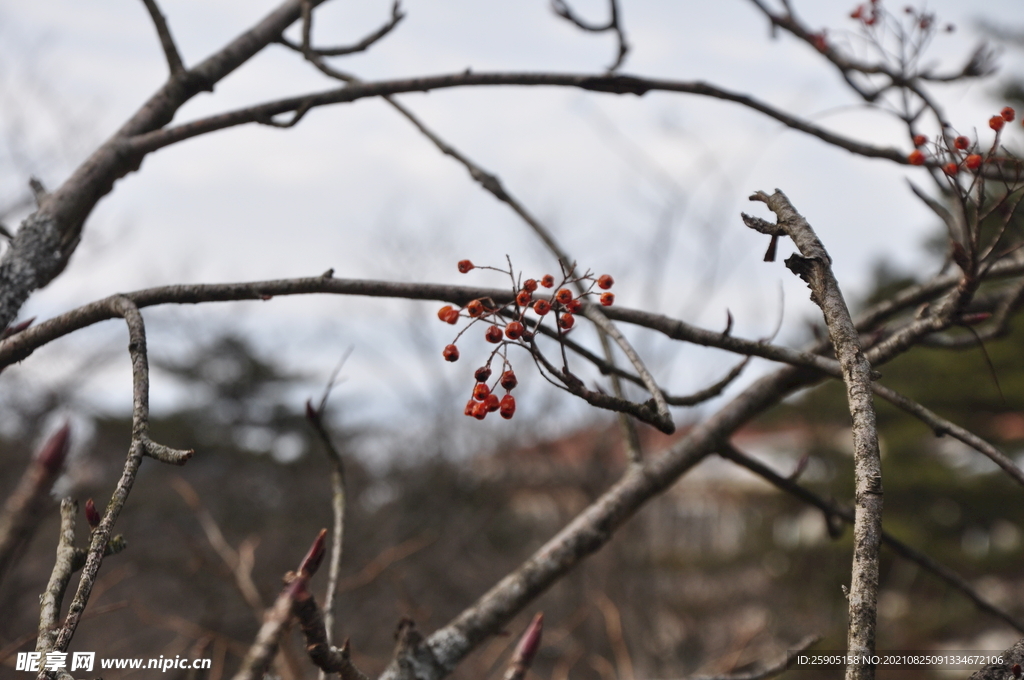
x=813 y=265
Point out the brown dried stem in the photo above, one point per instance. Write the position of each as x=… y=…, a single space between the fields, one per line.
x=813 y=265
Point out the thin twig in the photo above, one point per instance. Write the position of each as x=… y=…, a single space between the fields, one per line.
x=166 y=41
x=771 y=670
x=52 y=598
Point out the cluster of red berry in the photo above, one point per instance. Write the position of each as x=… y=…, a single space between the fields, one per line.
x=506 y=325
x=962 y=153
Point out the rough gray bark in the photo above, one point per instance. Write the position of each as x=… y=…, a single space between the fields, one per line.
x=813 y=265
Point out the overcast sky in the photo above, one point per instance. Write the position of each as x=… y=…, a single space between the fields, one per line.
x=648 y=189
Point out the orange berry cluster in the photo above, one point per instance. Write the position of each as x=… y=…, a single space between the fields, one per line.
x=507 y=326
x=961 y=152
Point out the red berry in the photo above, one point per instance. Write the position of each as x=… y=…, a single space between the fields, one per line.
x=920 y=140
x=564 y=295
x=542 y=307
x=915 y=158
x=514 y=330
x=465 y=266
x=482 y=374
x=508 y=406
x=527 y=336
x=480 y=391
x=450 y=353
x=442 y=313
x=493 y=334
x=453 y=317
x=605 y=282
x=479 y=410
x=1008 y=114
x=475 y=308
x=566 y=321
x=607 y=299
x=529 y=285
x=996 y=123
x=508 y=380
x=523 y=298
x=574 y=306
x=951 y=169
x=961 y=142
x=491 y=403
x=973 y=162
x=548 y=281
x=470 y=408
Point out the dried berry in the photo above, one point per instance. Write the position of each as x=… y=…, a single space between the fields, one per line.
x=509 y=380
x=479 y=410
x=548 y=281
x=491 y=403
x=961 y=142
x=951 y=169
x=605 y=282
x=1008 y=114
x=470 y=408
x=508 y=406
x=566 y=321
x=475 y=308
x=514 y=330
x=920 y=140
x=523 y=298
x=607 y=299
x=493 y=334
x=973 y=162
x=542 y=307
x=450 y=353
x=480 y=391
x=442 y=313
x=529 y=285
x=564 y=295
x=996 y=123
x=915 y=158
x=574 y=306
x=483 y=374
x=465 y=266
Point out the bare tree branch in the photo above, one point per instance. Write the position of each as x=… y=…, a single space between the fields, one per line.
x=166 y=41
x=52 y=598
x=562 y=9
x=813 y=265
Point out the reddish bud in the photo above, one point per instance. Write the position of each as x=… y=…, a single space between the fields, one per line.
x=509 y=380
x=951 y=169
x=542 y=307
x=961 y=142
x=480 y=391
x=972 y=319
x=450 y=353
x=482 y=374
x=507 y=406
x=566 y=321
x=529 y=285
x=1008 y=114
x=996 y=123
x=529 y=643
x=493 y=334
x=607 y=299
x=915 y=158
x=92 y=515
x=973 y=162
x=465 y=266
x=605 y=282
x=475 y=308
x=55 y=450
x=491 y=403
x=523 y=298
x=16 y=328
x=514 y=330
x=1016 y=670
x=564 y=296
x=920 y=140
x=548 y=281
x=311 y=562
